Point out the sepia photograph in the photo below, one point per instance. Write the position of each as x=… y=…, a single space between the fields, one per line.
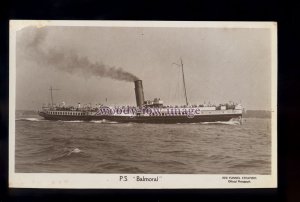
x=143 y=104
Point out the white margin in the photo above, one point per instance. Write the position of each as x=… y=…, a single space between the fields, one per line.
x=112 y=181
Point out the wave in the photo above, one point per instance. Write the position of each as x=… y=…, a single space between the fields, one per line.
x=251 y=163
x=223 y=122
x=110 y=122
x=103 y=121
x=74 y=121
x=66 y=154
x=75 y=150
x=100 y=121
x=30 y=119
x=214 y=123
x=115 y=122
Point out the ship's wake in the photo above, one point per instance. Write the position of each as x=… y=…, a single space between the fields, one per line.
x=73 y=121
x=231 y=122
x=99 y=121
x=222 y=123
x=30 y=119
x=103 y=121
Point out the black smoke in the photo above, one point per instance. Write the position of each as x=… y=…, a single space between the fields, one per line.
x=33 y=48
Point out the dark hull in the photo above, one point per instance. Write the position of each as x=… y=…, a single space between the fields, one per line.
x=145 y=119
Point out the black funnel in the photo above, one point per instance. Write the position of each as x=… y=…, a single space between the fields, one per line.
x=139 y=93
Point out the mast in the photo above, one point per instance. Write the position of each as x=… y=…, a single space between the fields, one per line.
x=186 y=99
x=52 y=89
x=51 y=96
x=183 y=80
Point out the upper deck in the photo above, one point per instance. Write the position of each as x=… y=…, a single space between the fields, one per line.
x=143 y=111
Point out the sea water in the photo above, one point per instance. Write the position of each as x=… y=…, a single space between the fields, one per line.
x=109 y=147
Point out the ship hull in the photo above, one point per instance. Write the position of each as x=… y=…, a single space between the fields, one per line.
x=145 y=119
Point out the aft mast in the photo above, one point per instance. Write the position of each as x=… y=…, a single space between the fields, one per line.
x=183 y=80
x=186 y=99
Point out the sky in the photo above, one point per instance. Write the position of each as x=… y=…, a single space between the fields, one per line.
x=90 y=64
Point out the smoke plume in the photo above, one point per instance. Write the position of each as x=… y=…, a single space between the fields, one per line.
x=34 y=49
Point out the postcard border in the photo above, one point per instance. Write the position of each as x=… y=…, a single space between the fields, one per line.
x=112 y=181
